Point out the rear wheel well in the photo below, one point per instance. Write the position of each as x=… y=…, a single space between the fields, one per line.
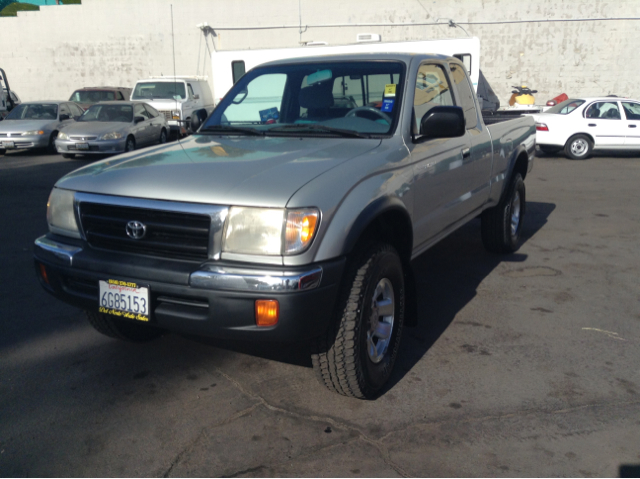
x=522 y=164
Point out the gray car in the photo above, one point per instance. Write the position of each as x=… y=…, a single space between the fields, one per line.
x=36 y=124
x=113 y=127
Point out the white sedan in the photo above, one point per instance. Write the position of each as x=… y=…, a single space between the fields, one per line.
x=580 y=126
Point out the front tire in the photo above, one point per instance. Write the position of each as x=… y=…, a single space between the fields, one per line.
x=355 y=357
x=122 y=329
x=501 y=225
x=51 y=147
x=579 y=147
x=130 y=145
x=163 y=136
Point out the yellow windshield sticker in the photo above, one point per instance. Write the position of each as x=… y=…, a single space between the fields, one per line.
x=390 y=90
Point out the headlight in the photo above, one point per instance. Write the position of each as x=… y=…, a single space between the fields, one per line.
x=33 y=132
x=60 y=213
x=63 y=136
x=114 y=135
x=268 y=231
x=175 y=115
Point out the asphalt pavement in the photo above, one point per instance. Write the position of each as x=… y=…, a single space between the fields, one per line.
x=522 y=365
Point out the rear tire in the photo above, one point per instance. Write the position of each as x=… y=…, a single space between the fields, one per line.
x=501 y=225
x=355 y=357
x=122 y=329
x=579 y=147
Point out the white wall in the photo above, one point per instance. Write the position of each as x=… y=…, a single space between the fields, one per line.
x=47 y=54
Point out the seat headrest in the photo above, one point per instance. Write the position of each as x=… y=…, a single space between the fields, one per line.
x=316 y=96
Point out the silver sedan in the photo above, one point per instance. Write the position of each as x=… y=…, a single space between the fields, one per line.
x=113 y=127
x=36 y=124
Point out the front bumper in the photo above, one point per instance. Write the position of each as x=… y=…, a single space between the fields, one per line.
x=91 y=147
x=214 y=298
x=24 y=142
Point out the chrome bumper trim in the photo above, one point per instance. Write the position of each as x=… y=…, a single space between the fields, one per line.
x=239 y=279
x=56 y=252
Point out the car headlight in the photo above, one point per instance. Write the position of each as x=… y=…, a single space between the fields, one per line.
x=63 y=136
x=114 y=135
x=33 y=132
x=60 y=213
x=175 y=115
x=269 y=231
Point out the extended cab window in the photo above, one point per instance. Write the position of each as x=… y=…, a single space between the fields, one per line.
x=353 y=99
x=432 y=89
x=467 y=101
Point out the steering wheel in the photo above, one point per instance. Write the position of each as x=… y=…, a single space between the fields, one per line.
x=369 y=109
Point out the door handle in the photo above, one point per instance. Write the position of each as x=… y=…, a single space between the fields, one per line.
x=632 y=126
x=466 y=153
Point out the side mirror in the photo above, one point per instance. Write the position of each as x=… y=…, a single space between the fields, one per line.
x=442 y=122
x=196 y=97
x=138 y=119
x=64 y=117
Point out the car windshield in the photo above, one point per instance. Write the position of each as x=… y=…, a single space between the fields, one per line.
x=565 y=107
x=92 y=96
x=34 y=111
x=113 y=113
x=164 y=90
x=351 y=99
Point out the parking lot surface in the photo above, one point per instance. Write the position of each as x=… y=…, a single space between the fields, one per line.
x=523 y=365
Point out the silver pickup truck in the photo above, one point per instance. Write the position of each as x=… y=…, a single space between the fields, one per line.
x=293 y=213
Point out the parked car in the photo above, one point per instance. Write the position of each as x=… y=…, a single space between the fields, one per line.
x=581 y=126
x=291 y=216
x=113 y=127
x=36 y=124
x=88 y=96
x=177 y=98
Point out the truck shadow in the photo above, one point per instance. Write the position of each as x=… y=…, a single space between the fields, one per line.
x=447 y=278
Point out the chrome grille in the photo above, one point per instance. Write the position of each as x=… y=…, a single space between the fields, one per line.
x=167 y=114
x=169 y=234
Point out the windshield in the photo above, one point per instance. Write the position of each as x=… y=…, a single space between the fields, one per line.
x=92 y=96
x=565 y=107
x=114 y=113
x=355 y=99
x=159 y=91
x=34 y=111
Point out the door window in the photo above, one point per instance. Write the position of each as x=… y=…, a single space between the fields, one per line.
x=138 y=110
x=604 y=110
x=64 y=110
x=151 y=111
x=237 y=70
x=632 y=110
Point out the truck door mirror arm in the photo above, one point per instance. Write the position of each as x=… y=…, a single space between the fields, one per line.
x=441 y=122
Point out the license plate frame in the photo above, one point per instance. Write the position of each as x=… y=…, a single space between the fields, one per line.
x=82 y=146
x=124 y=299
x=8 y=144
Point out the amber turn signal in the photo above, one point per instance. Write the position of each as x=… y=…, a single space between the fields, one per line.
x=43 y=273
x=267 y=312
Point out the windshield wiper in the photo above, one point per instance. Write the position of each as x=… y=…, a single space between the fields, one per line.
x=231 y=129
x=320 y=128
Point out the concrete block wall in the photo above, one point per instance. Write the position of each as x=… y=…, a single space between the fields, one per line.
x=576 y=47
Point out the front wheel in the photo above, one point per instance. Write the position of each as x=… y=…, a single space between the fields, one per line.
x=578 y=147
x=51 y=147
x=356 y=355
x=163 y=136
x=121 y=328
x=130 y=145
x=501 y=225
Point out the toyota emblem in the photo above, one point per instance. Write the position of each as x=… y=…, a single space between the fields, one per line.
x=136 y=230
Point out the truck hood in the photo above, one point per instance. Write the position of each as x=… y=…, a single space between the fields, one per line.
x=218 y=170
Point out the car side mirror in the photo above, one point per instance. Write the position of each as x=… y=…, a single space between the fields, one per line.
x=64 y=117
x=138 y=119
x=442 y=122
x=196 y=97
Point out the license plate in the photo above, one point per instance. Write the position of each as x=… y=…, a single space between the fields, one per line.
x=82 y=146
x=124 y=299
x=8 y=144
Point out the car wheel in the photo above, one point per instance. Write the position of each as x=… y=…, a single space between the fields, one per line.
x=51 y=147
x=163 y=136
x=122 y=329
x=2 y=151
x=356 y=355
x=71 y=156
x=578 y=147
x=501 y=225
x=549 y=150
x=130 y=145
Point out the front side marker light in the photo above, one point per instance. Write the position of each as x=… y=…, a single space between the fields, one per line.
x=43 y=273
x=301 y=229
x=267 y=312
